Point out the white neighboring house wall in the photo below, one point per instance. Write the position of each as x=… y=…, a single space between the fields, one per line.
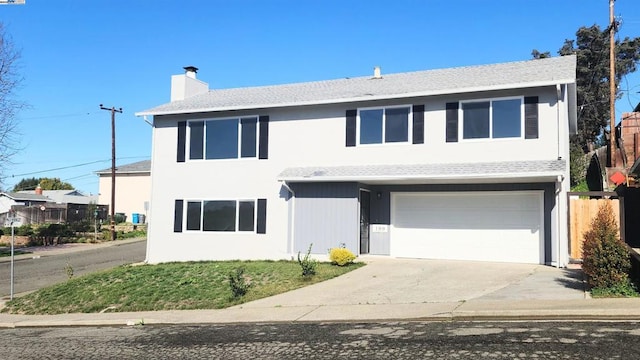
x=5 y=204
x=314 y=135
x=133 y=190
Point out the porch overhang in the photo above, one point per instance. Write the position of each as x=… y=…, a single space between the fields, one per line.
x=455 y=173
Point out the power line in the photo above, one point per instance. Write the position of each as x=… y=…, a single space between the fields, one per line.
x=73 y=166
x=60 y=168
x=57 y=116
x=78 y=177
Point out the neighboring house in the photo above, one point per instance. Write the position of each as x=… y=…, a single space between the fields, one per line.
x=52 y=206
x=29 y=208
x=76 y=204
x=468 y=163
x=133 y=188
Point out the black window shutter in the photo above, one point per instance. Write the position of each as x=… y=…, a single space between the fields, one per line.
x=182 y=137
x=452 y=122
x=261 y=223
x=177 y=217
x=263 y=147
x=418 y=124
x=531 y=117
x=351 y=127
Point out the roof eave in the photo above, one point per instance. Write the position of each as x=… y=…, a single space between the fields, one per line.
x=550 y=175
x=363 y=98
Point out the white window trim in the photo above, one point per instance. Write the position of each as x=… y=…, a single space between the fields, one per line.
x=204 y=138
x=237 y=224
x=461 y=137
x=384 y=119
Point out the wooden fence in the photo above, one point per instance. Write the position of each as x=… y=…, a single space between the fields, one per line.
x=581 y=214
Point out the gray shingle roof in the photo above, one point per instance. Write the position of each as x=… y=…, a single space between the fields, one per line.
x=522 y=74
x=19 y=196
x=136 y=167
x=509 y=169
x=59 y=196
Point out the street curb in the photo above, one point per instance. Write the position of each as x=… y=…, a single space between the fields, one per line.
x=444 y=318
x=627 y=309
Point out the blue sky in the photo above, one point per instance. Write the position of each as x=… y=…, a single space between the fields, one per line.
x=79 y=54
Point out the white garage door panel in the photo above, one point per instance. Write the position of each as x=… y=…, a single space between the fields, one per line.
x=490 y=226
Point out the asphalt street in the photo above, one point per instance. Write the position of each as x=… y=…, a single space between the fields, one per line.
x=387 y=340
x=37 y=272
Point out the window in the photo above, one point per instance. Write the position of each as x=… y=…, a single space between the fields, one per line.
x=384 y=125
x=223 y=138
x=221 y=215
x=492 y=119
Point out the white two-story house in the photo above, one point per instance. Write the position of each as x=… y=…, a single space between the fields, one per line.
x=468 y=163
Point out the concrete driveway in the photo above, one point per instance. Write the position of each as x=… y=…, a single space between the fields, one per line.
x=406 y=281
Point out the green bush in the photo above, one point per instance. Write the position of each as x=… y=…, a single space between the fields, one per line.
x=577 y=164
x=341 y=256
x=238 y=283
x=606 y=259
x=131 y=234
x=23 y=230
x=120 y=218
x=626 y=289
x=307 y=264
x=81 y=226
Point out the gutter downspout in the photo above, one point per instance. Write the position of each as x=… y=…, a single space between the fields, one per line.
x=560 y=177
x=559 y=97
x=293 y=214
x=558 y=217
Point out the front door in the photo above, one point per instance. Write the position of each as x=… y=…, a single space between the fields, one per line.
x=365 y=212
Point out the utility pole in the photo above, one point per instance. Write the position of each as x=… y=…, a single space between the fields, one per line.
x=612 y=83
x=113 y=167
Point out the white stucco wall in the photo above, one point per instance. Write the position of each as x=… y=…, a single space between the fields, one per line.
x=314 y=136
x=5 y=204
x=132 y=191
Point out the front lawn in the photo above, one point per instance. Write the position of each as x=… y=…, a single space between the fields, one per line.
x=172 y=286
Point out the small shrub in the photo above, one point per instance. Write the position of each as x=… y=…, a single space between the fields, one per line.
x=238 y=283
x=68 y=268
x=341 y=256
x=120 y=218
x=23 y=230
x=606 y=259
x=307 y=264
x=625 y=289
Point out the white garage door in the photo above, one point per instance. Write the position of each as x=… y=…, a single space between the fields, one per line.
x=488 y=226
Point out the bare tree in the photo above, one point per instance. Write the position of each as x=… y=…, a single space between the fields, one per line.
x=10 y=80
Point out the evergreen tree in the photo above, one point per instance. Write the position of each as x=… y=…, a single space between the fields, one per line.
x=45 y=184
x=591 y=48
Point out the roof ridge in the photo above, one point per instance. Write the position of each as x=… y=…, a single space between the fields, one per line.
x=413 y=72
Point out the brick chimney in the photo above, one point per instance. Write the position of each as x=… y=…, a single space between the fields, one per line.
x=38 y=190
x=187 y=85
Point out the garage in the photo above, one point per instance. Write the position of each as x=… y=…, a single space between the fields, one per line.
x=504 y=226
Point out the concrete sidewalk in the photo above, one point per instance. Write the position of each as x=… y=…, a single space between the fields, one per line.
x=396 y=289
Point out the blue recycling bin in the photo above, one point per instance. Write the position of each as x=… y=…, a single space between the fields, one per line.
x=135 y=218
